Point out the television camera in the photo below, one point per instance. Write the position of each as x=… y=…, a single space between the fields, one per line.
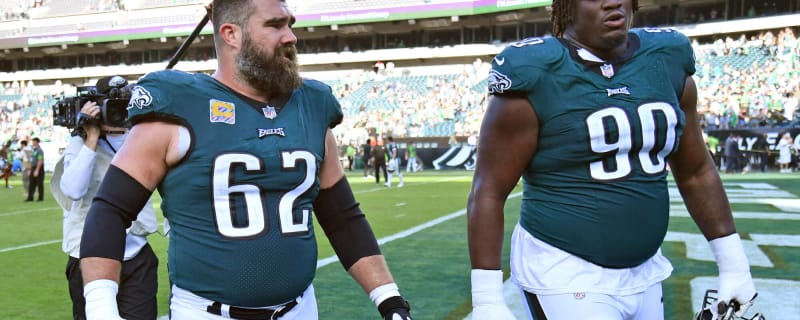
x=111 y=94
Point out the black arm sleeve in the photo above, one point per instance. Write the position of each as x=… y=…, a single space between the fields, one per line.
x=114 y=208
x=345 y=225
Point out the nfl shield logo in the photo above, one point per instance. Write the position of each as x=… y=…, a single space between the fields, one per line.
x=269 y=112
x=607 y=70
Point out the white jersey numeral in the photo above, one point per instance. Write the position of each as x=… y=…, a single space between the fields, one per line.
x=602 y=122
x=256 y=224
x=527 y=42
x=657 y=30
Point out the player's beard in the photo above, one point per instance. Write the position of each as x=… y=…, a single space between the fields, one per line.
x=267 y=73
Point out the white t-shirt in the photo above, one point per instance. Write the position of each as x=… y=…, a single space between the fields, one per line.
x=543 y=269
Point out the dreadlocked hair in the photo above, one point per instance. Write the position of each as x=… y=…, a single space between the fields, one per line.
x=564 y=11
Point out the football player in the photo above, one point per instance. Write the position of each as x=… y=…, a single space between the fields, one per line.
x=591 y=119
x=241 y=159
x=394 y=163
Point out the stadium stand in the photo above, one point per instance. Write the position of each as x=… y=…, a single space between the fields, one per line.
x=149 y=4
x=14 y=9
x=338 y=5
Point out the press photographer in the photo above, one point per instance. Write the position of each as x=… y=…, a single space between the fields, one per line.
x=99 y=130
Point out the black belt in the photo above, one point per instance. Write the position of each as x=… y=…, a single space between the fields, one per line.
x=252 y=314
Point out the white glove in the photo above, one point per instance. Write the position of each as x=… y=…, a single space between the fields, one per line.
x=735 y=281
x=101 y=300
x=487 y=296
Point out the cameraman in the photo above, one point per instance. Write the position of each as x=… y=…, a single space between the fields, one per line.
x=85 y=162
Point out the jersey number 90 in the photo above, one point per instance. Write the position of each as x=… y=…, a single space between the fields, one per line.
x=652 y=161
x=256 y=216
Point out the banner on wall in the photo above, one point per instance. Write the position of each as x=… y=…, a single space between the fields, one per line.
x=750 y=136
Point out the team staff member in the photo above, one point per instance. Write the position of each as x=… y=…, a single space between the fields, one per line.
x=75 y=182
x=241 y=158
x=36 y=179
x=594 y=116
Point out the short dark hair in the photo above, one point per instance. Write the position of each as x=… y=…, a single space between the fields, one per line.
x=231 y=11
x=36 y=140
x=23 y=142
x=564 y=12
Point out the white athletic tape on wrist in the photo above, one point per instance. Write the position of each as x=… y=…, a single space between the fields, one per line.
x=101 y=299
x=729 y=253
x=383 y=292
x=487 y=287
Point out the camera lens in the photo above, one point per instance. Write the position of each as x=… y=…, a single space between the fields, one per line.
x=115 y=112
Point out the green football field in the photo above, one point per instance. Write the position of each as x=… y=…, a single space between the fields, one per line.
x=422 y=230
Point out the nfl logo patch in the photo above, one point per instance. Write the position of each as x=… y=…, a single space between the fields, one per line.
x=269 y=112
x=607 y=70
x=221 y=111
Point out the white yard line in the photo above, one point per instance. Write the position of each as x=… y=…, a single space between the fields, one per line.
x=32 y=245
x=16 y=213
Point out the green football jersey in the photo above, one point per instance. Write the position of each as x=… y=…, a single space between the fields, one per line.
x=596 y=186
x=239 y=203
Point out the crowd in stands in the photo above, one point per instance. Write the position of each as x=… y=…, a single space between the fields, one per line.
x=413 y=106
x=17 y=9
x=25 y=112
x=746 y=83
x=31 y=10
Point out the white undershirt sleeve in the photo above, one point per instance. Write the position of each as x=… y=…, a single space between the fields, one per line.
x=77 y=173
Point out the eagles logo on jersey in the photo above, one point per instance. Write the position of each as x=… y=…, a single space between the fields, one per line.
x=498 y=82
x=140 y=98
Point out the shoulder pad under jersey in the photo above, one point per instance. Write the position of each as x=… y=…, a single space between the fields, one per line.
x=519 y=66
x=155 y=92
x=323 y=94
x=670 y=42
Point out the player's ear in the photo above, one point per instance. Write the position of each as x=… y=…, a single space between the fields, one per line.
x=231 y=34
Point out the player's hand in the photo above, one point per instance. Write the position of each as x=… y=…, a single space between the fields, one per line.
x=101 y=300
x=736 y=289
x=395 y=308
x=735 y=282
x=487 y=296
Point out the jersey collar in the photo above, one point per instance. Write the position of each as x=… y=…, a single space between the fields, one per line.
x=594 y=63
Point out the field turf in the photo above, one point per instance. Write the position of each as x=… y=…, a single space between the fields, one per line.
x=422 y=229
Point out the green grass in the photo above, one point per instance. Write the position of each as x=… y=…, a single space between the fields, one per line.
x=431 y=266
